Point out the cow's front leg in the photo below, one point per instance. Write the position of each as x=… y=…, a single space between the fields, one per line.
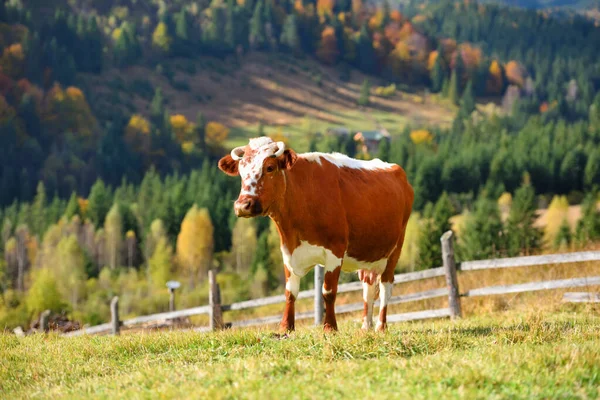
x=292 y=287
x=330 y=287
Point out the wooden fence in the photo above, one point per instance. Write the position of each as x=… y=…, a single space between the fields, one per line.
x=215 y=309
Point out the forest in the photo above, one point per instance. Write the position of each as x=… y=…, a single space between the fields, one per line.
x=98 y=198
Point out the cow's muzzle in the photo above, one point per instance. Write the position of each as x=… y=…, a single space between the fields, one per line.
x=247 y=207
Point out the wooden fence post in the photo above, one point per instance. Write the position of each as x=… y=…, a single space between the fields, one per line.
x=214 y=298
x=114 y=313
x=319 y=294
x=451 y=280
x=44 y=321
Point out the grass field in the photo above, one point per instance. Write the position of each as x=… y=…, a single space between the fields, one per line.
x=500 y=355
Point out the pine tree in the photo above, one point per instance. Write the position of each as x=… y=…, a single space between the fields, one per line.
x=483 y=235
x=436 y=221
x=365 y=92
x=467 y=102
x=454 y=88
x=563 y=236
x=383 y=152
x=72 y=207
x=289 y=35
x=588 y=227
x=230 y=36
x=157 y=107
x=366 y=53
x=99 y=203
x=38 y=210
x=523 y=236
x=113 y=228
x=438 y=74
x=200 y=130
x=257 y=27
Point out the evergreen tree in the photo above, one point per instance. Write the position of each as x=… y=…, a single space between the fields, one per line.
x=483 y=235
x=467 y=102
x=383 y=152
x=563 y=236
x=99 y=203
x=523 y=236
x=200 y=137
x=157 y=107
x=257 y=27
x=438 y=73
x=230 y=36
x=72 y=207
x=588 y=227
x=366 y=54
x=436 y=221
x=365 y=92
x=454 y=87
x=289 y=35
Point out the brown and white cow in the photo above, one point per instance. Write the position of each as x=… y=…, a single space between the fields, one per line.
x=330 y=209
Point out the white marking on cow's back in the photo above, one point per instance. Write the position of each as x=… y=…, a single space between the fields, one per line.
x=343 y=161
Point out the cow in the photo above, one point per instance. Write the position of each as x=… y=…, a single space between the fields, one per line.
x=345 y=214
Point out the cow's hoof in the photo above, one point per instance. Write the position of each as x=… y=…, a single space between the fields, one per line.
x=381 y=327
x=328 y=327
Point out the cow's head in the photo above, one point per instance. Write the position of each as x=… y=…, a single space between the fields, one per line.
x=261 y=164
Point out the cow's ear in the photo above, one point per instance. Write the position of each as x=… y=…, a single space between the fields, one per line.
x=228 y=165
x=288 y=159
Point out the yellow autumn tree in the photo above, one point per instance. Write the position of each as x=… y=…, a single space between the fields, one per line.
x=504 y=203
x=243 y=245
x=161 y=39
x=410 y=249
x=216 y=133
x=195 y=244
x=137 y=134
x=421 y=136
x=182 y=128
x=516 y=73
x=495 y=80
x=13 y=61
x=557 y=211
x=328 y=47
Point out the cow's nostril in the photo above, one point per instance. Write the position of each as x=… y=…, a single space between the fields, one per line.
x=248 y=205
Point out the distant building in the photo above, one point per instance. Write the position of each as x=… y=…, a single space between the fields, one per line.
x=369 y=140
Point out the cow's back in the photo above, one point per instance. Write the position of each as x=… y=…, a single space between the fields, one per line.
x=377 y=205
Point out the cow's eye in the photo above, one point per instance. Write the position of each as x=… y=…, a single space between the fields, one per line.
x=270 y=168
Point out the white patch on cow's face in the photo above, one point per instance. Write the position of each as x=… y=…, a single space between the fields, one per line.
x=343 y=161
x=250 y=167
x=306 y=256
x=385 y=289
x=369 y=298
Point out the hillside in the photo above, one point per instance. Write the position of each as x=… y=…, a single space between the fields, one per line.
x=258 y=87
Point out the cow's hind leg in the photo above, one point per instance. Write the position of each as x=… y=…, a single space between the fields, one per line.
x=330 y=287
x=370 y=293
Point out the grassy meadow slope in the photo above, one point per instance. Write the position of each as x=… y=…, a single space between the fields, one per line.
x=527 y=355
x=288 y=95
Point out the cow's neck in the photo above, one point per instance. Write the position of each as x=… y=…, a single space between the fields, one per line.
x=292 y=208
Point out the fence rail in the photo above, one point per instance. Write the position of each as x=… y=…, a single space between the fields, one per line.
x=215 y=309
